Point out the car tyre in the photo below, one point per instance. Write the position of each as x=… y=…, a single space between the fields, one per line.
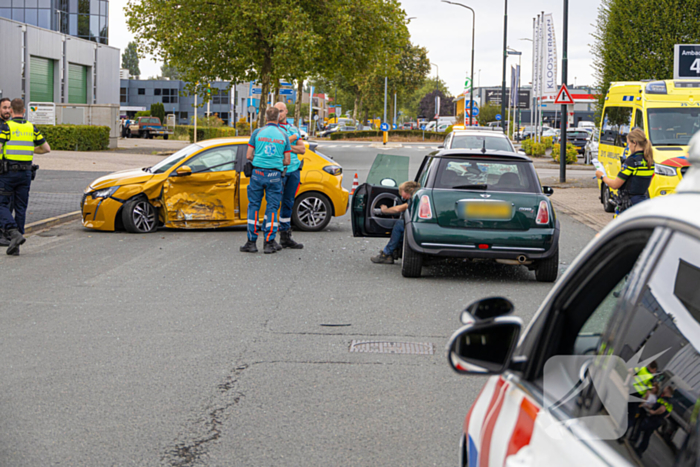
x=547 y=270
x=606 y=198
x=143 y=134
x=139 y=215
x=312 y=212
x=412 y=262
x=165 y=136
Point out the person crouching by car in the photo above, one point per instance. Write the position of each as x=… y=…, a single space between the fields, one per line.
x=386 y=256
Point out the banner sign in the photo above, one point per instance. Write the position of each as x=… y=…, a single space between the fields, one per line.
x=549 y=58
x=42 y=113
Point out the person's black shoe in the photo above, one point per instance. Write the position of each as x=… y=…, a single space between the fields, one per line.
x=4 y=241
x=277 y=246
x=249 y=247
x=16 y=239
x=382 y=258
x=288 y=242
x=269 y=248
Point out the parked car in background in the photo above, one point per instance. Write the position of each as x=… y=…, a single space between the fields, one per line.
x=578 y=138
x=590 y=152
x=478 y=138
x=304 y=134
x=328 y=130
x=148 y=127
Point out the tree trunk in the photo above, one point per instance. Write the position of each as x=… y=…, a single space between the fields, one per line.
x=356 y=110
x=297 y=107
x=276 y=96
x=265 y=74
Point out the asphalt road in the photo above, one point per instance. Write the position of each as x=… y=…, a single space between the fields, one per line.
x=176 y=349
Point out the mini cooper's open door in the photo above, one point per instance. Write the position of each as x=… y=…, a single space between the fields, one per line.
x=380 y=189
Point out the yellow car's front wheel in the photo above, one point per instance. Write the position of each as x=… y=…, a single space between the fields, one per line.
x=139 y=215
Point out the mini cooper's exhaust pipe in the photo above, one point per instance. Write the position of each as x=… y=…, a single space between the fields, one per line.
x=522 y=259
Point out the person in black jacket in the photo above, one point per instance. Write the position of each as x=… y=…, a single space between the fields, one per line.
x=636 y=173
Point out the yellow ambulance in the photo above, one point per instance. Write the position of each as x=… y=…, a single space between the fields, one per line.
x=669 y=113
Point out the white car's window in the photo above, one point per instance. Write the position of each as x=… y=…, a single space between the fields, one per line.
x=493 y=143
x=661 y=348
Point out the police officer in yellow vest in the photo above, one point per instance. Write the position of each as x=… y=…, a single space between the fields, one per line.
x=643 y=380
x=20 y=140
x=655 y=417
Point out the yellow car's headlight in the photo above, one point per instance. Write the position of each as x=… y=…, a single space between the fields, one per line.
x=104 y=193
x=333 y=169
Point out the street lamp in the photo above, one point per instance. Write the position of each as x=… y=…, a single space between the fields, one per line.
x=515 y=100
x=471 y=83
x=437 y=81
x=505 y=58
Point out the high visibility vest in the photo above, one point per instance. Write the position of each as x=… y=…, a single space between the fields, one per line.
x=20 y=146
x=668 y=405
x=642 y=381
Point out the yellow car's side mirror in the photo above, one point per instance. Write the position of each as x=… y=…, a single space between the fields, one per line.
x=184 y=170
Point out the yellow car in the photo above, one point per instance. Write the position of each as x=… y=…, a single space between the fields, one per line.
x=203 y=186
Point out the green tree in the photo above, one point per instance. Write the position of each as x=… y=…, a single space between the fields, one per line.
x=488 y=112
x=169 y=71
x=158 y=110
x=635 y=39
x=130 y=59
x=265 y=40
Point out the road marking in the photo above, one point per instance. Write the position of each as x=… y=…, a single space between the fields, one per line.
x=347 y=146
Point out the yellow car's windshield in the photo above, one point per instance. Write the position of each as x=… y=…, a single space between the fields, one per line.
x=170 y=161
x=673 y=127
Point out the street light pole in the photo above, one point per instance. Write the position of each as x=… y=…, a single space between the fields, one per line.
x=471 y=84
x=505 y=58
x=564 y=113
x=437 y=81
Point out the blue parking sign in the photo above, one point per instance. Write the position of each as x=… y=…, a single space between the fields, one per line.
x=498 y=117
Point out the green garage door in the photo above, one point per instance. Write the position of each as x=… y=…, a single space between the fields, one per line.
x=41 y=80
x=77 y=84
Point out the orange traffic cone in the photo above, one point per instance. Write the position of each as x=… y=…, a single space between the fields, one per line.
x=355 y=184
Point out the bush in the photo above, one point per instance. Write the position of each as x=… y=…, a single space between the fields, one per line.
x=204 y=133
x=571 y=153
x=143 y=113
x=548 y=142
x=157 y=110
x=76 y=137
x=538 y=149
x=429 y=135
x=526 y=144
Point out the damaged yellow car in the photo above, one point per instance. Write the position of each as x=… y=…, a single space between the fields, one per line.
x=203 y=186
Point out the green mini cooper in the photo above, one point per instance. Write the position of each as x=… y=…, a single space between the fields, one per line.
x=482 y=205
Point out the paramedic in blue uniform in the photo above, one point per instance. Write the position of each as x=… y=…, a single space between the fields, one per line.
x=270 y=151
x=291 y=180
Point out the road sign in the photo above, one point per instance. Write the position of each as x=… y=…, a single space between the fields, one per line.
x=393 y=127
x=469 y=104
x=468 y=83
x=564 y=96
x=384 y=127
x=316 y=118
x=476 y=111
x=256 y=91
x=686 y=61
x=286 y=92
x=252 y=109
x=498 y=117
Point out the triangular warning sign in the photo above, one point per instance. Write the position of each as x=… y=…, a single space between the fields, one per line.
x=564 y=96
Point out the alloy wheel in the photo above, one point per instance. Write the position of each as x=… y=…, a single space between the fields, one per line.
x=312 y=212
x=144 y=216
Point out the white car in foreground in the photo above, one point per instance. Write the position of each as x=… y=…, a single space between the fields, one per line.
x=623 y=322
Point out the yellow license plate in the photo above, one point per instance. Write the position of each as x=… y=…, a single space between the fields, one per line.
x=488 y=211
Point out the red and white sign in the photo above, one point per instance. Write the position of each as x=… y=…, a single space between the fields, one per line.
x=564 y=96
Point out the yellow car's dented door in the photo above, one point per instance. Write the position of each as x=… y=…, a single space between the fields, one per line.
x=205 y=197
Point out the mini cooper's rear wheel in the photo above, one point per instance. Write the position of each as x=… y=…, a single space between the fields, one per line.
x=412 y=262
x=139 y=216
x=312 y=211
x=547 y=270
x=606 y=198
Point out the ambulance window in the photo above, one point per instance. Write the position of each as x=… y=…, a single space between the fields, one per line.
x=616 y=126
x=639 y=119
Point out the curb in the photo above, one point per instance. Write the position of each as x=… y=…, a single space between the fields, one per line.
x=582 y=217
x=44 y=224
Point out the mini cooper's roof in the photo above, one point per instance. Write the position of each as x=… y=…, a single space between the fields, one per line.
x=479 y=153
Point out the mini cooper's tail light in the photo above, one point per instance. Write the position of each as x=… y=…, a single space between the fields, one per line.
x=483 y=246
x=424 y=211
x=543 y=213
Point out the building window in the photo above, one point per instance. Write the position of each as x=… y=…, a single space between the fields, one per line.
x=142 y=91
x=156 y=92
x=123 y=96
x=169 y=96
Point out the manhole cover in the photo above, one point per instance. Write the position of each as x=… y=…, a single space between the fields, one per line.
x=412 y=348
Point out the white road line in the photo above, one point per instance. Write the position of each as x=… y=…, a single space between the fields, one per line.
x=360 y=146
x=348 y=146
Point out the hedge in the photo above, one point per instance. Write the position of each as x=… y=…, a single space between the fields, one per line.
x=76 y=137
x=571 y=153
x=429 y=135
x=210 y=133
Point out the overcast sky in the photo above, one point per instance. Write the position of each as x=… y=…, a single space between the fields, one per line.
x=445 y=30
